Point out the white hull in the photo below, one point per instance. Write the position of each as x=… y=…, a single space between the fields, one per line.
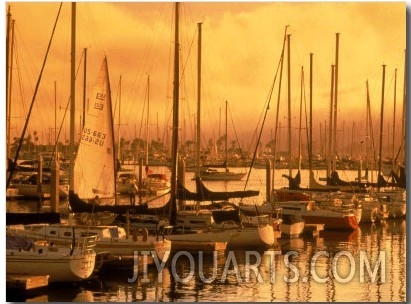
x=234 y=237
x=111 y=239
x=254 y=236
x=57 y=263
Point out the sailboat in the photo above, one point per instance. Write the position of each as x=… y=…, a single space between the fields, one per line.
x=92 y=172
x=27 y=256
x=94 y=168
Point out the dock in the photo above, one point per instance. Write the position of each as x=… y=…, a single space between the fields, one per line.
x=26 y=283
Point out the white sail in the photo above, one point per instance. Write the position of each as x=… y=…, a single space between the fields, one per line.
x=94 y=171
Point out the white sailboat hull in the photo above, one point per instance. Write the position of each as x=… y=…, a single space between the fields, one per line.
x=110 y=239
x=60 y=266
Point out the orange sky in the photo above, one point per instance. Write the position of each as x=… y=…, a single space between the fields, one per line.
x=241 y=46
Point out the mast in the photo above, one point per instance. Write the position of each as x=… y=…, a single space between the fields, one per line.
x=148 y=117
x=112 y=128
x=8 y=92
x=310 y=145
x=72 y=96
x=393 y=120
x=337 y=36
x=330 y=124
x=367 y=132
x=119 y=124
x=278 y=105
x=9 y=79
x=84 y=86
x=198 y=130
x=8 y=52
x=404 y=109
x=382 y=119
x=226 y=138
x=55 y=118
x=174 y=145
x=289 y=105
x=301 y=111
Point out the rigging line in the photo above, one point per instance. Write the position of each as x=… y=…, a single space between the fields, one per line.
x=281 y=64
x=188 y=56
x=306 y=119
x=32 y=102
x=141 y=126
x=117 y=99
x=64 y=116
x=266 y=111
x=23 y=100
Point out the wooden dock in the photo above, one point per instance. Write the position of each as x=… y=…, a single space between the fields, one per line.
x=26 y=282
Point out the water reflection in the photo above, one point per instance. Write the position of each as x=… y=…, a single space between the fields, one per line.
x=286 y=273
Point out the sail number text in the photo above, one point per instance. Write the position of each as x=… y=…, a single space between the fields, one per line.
x=95 y=137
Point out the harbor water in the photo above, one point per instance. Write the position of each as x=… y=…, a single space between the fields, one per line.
x=366 y=265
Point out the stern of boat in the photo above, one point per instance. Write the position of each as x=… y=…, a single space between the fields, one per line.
x=162 y=250
x=267 y=234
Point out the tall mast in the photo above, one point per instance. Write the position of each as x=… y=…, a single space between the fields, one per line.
x=337 y=36
x=84 y=86
x=9 y=84
x=382 y=119
x=112 y=127
x=278 y=105
x=148 y=117
x=226 y=138
x=310 y=145
x=119 y=123
x=198 y=142
x=72 y=96
x=55 y=118
x=330 y=124
x=301 y=111
x=367 y=129
x=289 y=105
x=8 y=93
x=174 y=145
x=393 y=119
x=404 y=109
